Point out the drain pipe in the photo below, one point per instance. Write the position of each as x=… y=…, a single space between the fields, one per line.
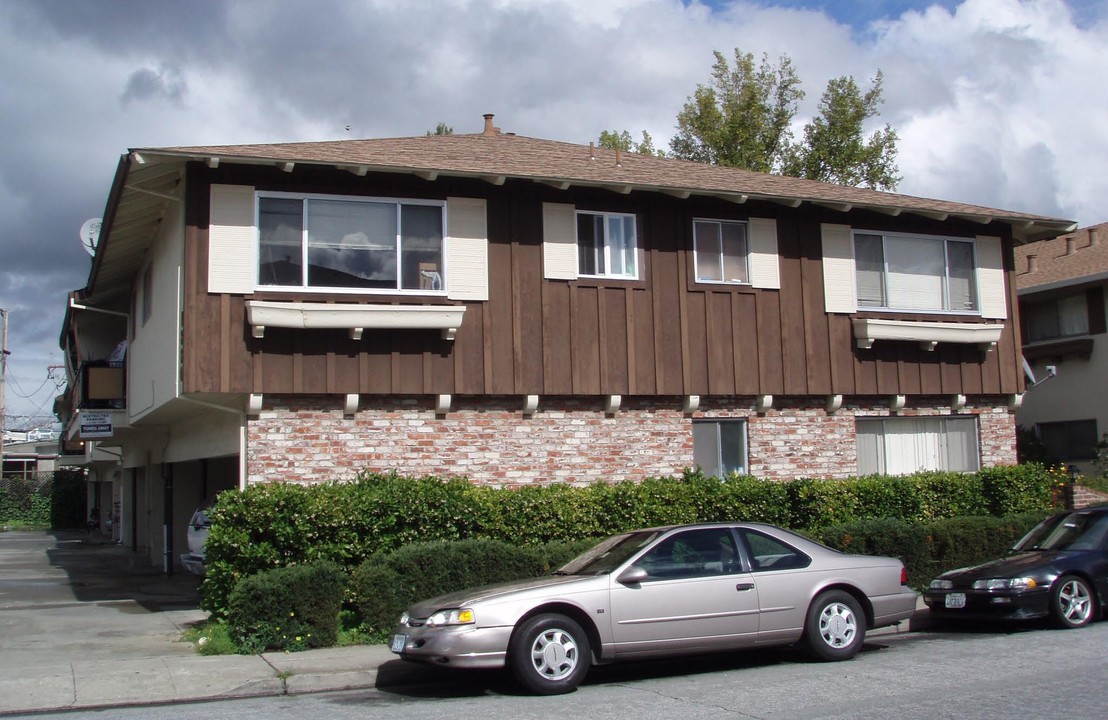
x=167 y=528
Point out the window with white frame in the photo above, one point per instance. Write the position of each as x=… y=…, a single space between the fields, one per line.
x=606 y=245
x=915 y=272
x=1064 y=317
x=720 y=251
x=904 y=445
x=719 y=447
x=368 y=244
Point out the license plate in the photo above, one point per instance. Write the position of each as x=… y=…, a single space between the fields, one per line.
x=398 y=643
x=956 y=600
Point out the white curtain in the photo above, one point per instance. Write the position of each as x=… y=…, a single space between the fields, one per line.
x=901 y=446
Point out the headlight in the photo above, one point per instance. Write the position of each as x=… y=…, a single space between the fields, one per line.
x=940 y=584
x=1020 y=583
x=455 y=616
x=404 y=619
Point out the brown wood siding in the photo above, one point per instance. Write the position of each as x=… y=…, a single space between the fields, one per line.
x=660 y=335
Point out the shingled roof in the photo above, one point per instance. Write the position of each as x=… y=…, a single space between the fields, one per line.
x=1078 y=257
x=496 y=156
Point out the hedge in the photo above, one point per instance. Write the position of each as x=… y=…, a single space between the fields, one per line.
x=928 y=549
x=381 y=587
x=289 y=608
x=279 y=524
x=54 y=499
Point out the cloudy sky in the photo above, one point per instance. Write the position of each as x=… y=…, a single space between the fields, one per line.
x=1001 y=103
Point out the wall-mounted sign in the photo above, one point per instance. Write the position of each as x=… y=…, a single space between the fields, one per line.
x=96 y=425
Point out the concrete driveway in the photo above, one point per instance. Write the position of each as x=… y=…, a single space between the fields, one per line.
x=72 y=608
x=88 y=625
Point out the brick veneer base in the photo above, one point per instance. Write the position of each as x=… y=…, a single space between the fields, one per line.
x=1084 y=497
x=571 y=440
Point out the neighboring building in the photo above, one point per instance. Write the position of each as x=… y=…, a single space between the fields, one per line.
x=518 y=311
x=1062 y=313
x=28 y=453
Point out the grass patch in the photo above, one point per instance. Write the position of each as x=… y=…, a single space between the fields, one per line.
x=22 y=525
x=352 y=632
x=211 y=638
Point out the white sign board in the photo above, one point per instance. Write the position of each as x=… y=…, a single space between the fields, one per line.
x=96 y=425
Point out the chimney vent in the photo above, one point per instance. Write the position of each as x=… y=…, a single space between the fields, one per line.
x=1032 y=263
x=592 y=151
x=490 y=129
x=1094 y=239
x=1071 y=240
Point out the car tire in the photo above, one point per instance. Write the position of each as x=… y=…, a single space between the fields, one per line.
x=1071 y=602
x=549 y=654
x=835 y=627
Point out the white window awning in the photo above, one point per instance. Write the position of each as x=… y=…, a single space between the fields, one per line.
x=926 y=333
x=354 y=317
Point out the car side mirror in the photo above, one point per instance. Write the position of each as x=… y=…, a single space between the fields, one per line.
x=633 y=575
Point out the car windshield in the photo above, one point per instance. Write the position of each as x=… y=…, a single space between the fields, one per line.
x=1075 y=531
x=609 y=554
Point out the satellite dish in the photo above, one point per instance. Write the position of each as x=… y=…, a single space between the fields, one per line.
x=90 y=234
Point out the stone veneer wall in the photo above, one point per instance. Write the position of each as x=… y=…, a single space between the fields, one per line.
x=571 y=440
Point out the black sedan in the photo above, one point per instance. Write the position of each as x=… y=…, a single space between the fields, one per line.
x=1058 y=570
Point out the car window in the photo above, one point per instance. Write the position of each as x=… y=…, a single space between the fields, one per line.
x=769 y=553
x=1076 y=531
x=1092 y=534
x=694 y=553
x=608 y=554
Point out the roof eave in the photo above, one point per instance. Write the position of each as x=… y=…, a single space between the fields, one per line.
x=1024 y=228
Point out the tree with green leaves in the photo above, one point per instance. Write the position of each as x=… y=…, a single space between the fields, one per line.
x=441 y=129
x=743 y=118
x=740 y=119
x=622 y=140
x=835 y=149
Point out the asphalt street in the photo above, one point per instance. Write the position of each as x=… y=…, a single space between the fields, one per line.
x=998 y=673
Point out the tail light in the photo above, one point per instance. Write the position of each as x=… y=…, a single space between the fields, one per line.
x=903 y=575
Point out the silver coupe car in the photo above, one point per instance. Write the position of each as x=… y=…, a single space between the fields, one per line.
x=679 y=590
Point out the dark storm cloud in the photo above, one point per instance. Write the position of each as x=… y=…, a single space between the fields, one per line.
x=150 y=84
x=174 y=28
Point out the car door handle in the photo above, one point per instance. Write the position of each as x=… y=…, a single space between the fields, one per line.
x=743 y=587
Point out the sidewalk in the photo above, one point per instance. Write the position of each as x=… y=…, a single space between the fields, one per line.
x=84 y=625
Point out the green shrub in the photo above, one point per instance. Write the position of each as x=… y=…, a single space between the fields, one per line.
x=890 y=537
x=290 y=608
x=385 y=584
x=928 y=549
x=1015 y=489
x=276 y=525
x=54 y=499
x=379 y=594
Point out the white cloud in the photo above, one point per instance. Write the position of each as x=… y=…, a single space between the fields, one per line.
x=997 y=102
x=1003 y=114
